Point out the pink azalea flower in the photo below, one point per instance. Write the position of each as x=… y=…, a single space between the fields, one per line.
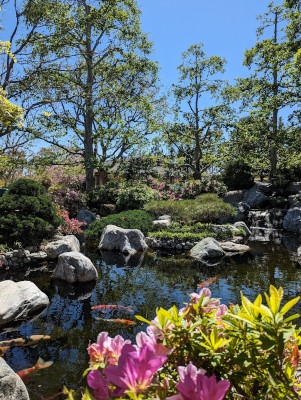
x=135 y=369
x=100 y=385
x=197 y=386
x=158 y=348
x=106 y=349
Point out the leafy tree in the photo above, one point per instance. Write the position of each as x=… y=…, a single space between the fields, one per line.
x=96 y=79
x=200 y=128
x=269 y=89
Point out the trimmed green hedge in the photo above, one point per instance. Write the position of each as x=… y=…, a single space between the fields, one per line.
x=191 y=237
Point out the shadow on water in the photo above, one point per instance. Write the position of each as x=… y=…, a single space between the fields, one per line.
x=144 y=282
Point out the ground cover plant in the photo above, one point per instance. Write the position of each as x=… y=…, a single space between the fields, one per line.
x=206 y=208
x=204 y=351
x=133 y=219
x=26 y=213
x=191 y=236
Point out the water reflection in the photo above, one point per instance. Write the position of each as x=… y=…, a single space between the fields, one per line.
x=150 y=281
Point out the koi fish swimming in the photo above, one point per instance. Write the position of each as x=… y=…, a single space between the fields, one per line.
x=41 y=364
x=118 y=321
x=106 y=307
x=21 y=342
x=208 y=282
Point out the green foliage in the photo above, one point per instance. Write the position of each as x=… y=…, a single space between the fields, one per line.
x=285 y=176
x=26 y=187
x=26 y=215
x=191 y=236
x=207 y=208
x=195 y=137
x=126 y=195
x=254 y=346
x=140 y=168
x=238 y=175
x=134 y=219
x=134 y=197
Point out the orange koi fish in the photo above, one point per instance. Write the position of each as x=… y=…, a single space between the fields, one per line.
x=118 y=321
x=208 y=282
x=41 y=364
x=112 y=307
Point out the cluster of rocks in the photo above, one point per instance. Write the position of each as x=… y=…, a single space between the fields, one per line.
x=263 y=207
x=169 y=244
x=20 y=257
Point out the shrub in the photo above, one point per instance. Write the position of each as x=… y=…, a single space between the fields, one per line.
x=134 y=219
x=26 y=215
x=252 y=347
x=134 y=197
x=284 y=177
x=69 y=200
x=191 y=236
x=187 y=189
x=206 y=208
x=104 y=194
x=238 y=175
x=69 y=226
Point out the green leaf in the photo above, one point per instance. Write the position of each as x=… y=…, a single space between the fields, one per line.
x=289 y=305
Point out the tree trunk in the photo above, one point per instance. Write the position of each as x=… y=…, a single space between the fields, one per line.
x=89 y=114
x=273 y=152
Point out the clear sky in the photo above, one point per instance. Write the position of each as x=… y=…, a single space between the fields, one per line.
x=226 y=27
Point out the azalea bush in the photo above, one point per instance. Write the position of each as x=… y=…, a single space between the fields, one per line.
x=204 y=351
x=69 y=226
x=71 y=200
x=186 y=189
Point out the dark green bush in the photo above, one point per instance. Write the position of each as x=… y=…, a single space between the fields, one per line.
x=238 y=175
x=206 y=208
x=25 y=217
x=134 y=219
x=285 y=176
x=26 y=187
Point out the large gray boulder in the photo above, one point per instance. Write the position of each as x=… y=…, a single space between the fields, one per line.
x=254 y=197
x=74 y=267
x=11 y=385
x=207 y=248
x=86 y=216
x=20 y=299
x=292 y=220
x=62 y=245
x=125 y=240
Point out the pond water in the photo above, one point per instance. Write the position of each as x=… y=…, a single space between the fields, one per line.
x=157 y=280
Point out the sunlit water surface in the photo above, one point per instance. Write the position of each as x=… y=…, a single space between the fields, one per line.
x=157 y=281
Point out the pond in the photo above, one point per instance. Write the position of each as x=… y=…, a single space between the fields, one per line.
x=157 y=280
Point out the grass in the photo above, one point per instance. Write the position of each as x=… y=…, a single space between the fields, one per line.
x=206 y=208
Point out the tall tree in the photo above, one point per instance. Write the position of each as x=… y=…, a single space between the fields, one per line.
x=95 y=80
x=200 y=126
x=269 y=89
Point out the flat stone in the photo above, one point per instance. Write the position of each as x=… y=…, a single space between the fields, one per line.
x=234 y=196
x=74 y=267
x=11 y=385
x=39 y=256
x=230 y=247
x=164 y=217
x=62 y=245
x=162 y=222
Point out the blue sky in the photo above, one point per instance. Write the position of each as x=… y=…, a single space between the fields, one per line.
x=226 y=27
